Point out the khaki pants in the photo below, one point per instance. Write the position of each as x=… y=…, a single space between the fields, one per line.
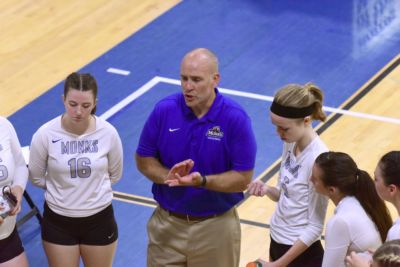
x=176 y=242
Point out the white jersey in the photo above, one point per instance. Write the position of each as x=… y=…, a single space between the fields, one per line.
x=300 y=211
x=76 y=171
x=349 y=229
x=394 y=231
x=13 y=170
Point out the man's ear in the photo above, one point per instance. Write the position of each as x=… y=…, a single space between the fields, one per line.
x=216 y=79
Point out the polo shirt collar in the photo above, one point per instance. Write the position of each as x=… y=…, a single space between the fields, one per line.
x=212 y=113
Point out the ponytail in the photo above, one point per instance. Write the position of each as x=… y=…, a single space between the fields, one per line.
x=374 y=206
x=301 y=96
x=316 y=92
x=340 y=171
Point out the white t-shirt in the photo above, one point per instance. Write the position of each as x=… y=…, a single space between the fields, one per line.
x=394 y=231
x=300 y=211
x=76 y=171
x=13 y=170
x=349 y=229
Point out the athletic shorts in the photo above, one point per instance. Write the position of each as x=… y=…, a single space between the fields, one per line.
x=10 y=247
x=99 y=229
x=312 y=257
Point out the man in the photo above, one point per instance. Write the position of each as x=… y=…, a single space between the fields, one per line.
x=199 y=150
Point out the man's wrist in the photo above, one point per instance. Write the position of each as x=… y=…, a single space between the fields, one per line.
x=203 y=182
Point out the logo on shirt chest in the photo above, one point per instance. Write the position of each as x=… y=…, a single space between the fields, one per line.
x=171 y=130
x=80 y=147
x=293 y=170
x=215 y=133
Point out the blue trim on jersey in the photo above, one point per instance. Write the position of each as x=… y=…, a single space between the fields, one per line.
x=220 y=141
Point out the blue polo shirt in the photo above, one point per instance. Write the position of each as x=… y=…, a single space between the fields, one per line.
x=220 y=141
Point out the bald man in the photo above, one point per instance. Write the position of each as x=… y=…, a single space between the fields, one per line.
x=198 y=149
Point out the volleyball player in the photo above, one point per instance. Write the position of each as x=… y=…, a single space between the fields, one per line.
x=75 y=158
x=361 y=219
x=298 y=220
x=13 y=176
x=387 y=183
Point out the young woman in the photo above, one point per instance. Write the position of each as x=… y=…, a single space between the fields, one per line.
x=387 y=184
x=75 y=158
x=13 y=175
x=298 y=220
x=361 y=220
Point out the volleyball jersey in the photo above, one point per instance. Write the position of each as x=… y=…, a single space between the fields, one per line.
x=349 y=229
x=394 y=231
x=300 y=211
x=76 y=170
x=13 y=170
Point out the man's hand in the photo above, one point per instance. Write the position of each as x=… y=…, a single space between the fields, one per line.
x=192 y=179
x=180 y=169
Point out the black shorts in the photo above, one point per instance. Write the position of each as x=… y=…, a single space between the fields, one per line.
x=99 y=229
x=312 y=257
x=10 y=247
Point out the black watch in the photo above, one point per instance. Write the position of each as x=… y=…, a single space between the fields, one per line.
x=203 y=181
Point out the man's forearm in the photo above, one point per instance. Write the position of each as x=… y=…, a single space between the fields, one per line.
x=151 y=168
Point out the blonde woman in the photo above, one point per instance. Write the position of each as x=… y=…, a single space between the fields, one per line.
x=298 y=220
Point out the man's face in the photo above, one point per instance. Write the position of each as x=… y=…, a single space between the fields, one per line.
x=199 y=77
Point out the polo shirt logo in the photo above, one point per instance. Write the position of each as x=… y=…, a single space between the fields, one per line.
x=215 y=133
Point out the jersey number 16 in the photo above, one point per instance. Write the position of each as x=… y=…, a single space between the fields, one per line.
x=79 y=167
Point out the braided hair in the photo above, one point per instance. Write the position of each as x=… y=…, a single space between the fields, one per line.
x=388 y=255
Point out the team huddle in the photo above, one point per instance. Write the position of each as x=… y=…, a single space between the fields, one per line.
x=199 y=150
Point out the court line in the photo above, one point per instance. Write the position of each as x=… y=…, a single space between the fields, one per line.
x=149 y=202
x=118 y=71
x=354 y=99
x=272 y=170
x=158 y=79
x=127 y=100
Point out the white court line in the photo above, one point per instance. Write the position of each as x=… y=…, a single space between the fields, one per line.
x=118 y=71
x=127 y=100
x=157 y=79
x=270 y=99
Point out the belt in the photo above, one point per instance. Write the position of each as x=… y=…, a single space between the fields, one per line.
x=190 y=218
